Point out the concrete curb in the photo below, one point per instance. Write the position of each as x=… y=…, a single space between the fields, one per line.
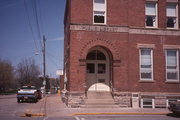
x=28 y=113
x=33 y=115
x=125 y=113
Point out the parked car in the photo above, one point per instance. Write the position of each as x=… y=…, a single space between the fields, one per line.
x=175 y=107
x=27 y=93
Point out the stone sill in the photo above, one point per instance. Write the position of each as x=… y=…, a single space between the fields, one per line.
x=172 y=82
x=146 y=81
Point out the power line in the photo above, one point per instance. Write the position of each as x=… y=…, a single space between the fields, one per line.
x=52 y=60
x=34 y=7
x=52 y=55
x=29 y=23
x=40 y=17
x=31 y=29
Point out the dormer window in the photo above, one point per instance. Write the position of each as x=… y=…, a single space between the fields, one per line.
x=151 y=14
x=99 y=12
x=171 y=13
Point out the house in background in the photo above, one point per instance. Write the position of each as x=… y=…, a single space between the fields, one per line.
x=128 y=48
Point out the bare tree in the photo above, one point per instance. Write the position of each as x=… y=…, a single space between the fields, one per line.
x=6 y=75
x=28 y=73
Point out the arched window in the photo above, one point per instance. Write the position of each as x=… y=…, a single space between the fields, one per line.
x=96 y=55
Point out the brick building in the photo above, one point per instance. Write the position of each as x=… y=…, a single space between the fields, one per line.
x=129 y=48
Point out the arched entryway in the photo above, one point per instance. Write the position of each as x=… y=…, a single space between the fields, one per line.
x=98 y=69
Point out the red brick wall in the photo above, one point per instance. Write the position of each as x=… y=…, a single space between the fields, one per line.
x=136 y=10
x=123 y=46
x=162 y=13
x=61 y=82
x=179 y=13
x=117 y=12
x=125 y=77
x=159 y=84
x=80 y=39
x=82 y=11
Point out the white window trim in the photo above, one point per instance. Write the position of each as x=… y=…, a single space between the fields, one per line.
x=105 y=15
x=177 y=54
x=156 y=7
x=177 y=16
x=144 y=99
x=152 y=77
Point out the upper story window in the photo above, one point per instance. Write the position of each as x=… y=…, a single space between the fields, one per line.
x=151 y=14
x=99 y=11
x=172 y=15
x=172 y=65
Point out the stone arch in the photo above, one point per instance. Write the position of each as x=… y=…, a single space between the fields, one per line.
x=98 y=69
x=99 y=42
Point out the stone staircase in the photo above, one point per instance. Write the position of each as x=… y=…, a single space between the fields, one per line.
x=99 y=100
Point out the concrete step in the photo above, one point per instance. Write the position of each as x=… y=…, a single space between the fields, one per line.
x=100 y=100
x=100 y=106
x=99 y=95
x=104 y=103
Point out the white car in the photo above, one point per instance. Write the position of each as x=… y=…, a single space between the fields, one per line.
x=27 y=93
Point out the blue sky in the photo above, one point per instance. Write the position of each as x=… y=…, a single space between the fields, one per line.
x=19 y=34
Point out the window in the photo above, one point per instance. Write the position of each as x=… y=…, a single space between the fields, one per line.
x=96 y=55
x=99 y=11
x=91 y=55
x=90 y=68
x=101 y=68
x=101 y=80
x=171 y=13
x=147 y=103
x=146 y=65
x=172 y=65
x=151 y=14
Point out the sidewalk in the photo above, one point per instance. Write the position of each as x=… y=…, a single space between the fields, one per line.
x=53 y=106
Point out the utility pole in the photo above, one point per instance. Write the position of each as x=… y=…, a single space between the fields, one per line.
x=44 y=63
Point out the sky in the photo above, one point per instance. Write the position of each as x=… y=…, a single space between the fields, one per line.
x=22 y=25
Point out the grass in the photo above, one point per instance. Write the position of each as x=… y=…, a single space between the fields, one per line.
x=9 y=92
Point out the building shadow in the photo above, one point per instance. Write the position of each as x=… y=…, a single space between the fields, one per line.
x=173 y=115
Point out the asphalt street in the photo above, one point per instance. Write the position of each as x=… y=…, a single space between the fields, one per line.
x=115 y=117
x=11 y=110
x=127 y=117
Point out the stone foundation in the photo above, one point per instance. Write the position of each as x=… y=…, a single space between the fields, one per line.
x=74 y=99
x=159 y=100
x=124 y=99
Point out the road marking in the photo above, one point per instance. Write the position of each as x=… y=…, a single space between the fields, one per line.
x=77 y=118
x=82 y=118
x=45 y=118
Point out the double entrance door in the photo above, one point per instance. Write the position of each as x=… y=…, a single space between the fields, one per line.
x=97 y=77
